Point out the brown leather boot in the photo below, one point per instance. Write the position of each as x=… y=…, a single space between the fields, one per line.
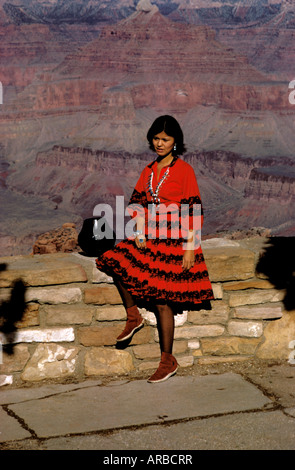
x=167 y=367
x=133 y=324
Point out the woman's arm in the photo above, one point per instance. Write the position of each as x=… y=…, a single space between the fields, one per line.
x=140 y=222
x=188 y=259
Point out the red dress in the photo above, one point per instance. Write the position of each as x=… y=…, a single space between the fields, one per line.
x=155 y=273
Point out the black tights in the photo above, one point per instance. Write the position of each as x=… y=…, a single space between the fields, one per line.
x=164 y=315
x=165 y=325
x=127 y=298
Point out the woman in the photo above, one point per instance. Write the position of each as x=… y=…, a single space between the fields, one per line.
x=162 y=264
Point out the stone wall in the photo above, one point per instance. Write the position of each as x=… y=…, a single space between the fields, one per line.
x=73 y=314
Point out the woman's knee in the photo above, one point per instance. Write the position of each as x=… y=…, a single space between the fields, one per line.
x=164 y=309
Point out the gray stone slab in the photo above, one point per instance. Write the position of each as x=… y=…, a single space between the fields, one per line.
x=242 y=431
x=17 y=395
x=10 y=428
x=139 y=403
x=277 y=380
x=290 y=412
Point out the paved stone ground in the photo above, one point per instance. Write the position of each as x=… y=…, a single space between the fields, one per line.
x=245 y=406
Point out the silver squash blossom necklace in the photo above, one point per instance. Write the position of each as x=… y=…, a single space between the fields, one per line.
x=155 y=194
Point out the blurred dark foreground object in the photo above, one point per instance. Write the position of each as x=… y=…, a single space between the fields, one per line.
x=11 y=312
x=277 y=262
x=96 y=236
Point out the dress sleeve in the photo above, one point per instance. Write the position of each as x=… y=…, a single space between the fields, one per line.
x=138 y=201
x=192 y=210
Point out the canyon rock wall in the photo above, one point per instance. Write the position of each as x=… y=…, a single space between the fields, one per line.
x=86 y=80
x=212 y=12
x=237 y=192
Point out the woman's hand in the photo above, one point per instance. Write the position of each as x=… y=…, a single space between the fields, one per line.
x=188 y=259
x=140 y=241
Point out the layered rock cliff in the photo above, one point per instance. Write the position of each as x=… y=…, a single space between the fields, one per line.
x=272 y=184
x=91 y=11
x=237 y=192
x=143 y=52
x=28 y=50
x=82 y=89
x=152 y=65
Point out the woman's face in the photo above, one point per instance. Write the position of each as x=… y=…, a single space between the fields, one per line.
x=163 y=144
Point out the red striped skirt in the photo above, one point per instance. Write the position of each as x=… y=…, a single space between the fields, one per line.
x=155 y=274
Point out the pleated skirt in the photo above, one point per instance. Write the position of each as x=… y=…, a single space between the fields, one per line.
x=155 y=274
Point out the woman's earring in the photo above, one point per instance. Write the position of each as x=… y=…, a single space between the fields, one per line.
x=174 y=148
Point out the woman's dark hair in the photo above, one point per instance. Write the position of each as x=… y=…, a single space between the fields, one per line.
x=169 y=125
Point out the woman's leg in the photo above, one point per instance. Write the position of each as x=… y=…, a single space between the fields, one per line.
x=165 y=325
x=134 y=319
x=168 y=364
x=127 y=298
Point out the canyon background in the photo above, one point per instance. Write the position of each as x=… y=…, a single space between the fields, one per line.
x=83 y=80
